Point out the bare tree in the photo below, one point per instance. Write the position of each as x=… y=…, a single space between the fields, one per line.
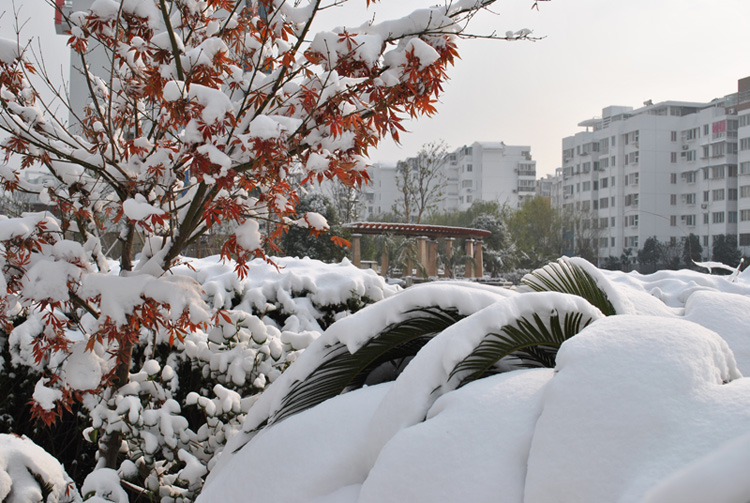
x=421 y=182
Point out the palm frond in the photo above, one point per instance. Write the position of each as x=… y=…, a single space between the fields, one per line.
x=342 y=371
x=533 y=342
x=563 y=276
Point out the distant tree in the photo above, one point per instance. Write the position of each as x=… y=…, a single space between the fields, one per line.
x=670 y=255
x=582 y=232
x=691 y=250
x=612 y=263
x=421 y=182
x=650 y=254
x=298 y=242
x=725 y=250
x=536 y=232
x=626 y=258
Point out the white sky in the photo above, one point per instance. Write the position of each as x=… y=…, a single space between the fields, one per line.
x=595 y=53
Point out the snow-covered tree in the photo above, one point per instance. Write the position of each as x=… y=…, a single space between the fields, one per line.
x=209 y=113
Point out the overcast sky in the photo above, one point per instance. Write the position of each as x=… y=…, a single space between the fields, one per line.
x=595 y=53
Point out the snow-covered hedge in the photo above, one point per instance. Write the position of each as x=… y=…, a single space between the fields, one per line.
x=646 y=404
x=185 y=399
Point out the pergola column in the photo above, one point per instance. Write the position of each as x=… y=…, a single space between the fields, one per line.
x=422 y=253
x=448 y=256
x=478 y=259
x=384 y=264
x=432 y=248
x=357 y=250
x=469 y=273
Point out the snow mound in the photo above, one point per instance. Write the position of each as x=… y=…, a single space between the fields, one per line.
x=648 y=404
x=28 y=473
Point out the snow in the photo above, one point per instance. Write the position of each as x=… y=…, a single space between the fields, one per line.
x=46 y=397
x=9 y=51
x=24 y=465
x=103 y=485
x=648 y=405
x=248 y=235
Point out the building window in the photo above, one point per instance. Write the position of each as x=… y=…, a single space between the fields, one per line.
x=690 y=220
x=745 y=166
x=673 y=199
x=612 y=222
x=705 y=218
x=706 y=194
x=744 y=215
x=603 y=182
x=673 y=157
x=689 y=198
x=718 y=194
x=718 y=217
x=731 y=217
x=469 y=167
x=745 y=191
x=673 y=220
x=586 y=186
x=732 y=194
x=745 y=144
x=717 y=172
x=673 y=136
x=673 y=178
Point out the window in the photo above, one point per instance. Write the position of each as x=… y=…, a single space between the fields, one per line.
x=613 y=160
x=596 y=184
x=745 y=191
x=603 y=203
x=744 y=120
x=603 y=183
x=731 y=217
x=468 y=199
x=718 y=194
x=586 y=186
x=718 y=217
x=718 y=149
x=717 y=172
x=586 y=167
x=673 y=136
x=705 y=130
x=705 y=151
x=673 y=157
x=732 y=194
x=612 y=181
x=689 y=198
x=603 y=222
x=744 y=215
x=612 y=242
x=673 y=178
x=690 y=220
x=585 y=205
x=745 y=166
x=705 y=196
x=612 y=199
x=673 y=220
x=603 y=242
x=673 y=199
x=604 y=163
x=632 y=158
x=689 y=176
x=632 y=220
x=705 y=218
x=732 y=171
x=469 y=167
x=745 y=144
x=612 y=222
x=705 y=240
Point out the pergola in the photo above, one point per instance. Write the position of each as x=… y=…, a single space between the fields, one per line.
x=427 y=243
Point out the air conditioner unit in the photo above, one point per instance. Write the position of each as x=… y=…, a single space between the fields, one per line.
x=515 y=191
x=685 y=147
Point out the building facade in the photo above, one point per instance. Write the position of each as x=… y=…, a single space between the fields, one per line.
x=665 y=170
x=482 y=171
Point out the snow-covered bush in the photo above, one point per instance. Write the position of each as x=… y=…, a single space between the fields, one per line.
x=647 y=400
x=28 y=474
x=184 y=399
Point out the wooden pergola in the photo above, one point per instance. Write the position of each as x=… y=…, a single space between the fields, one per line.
x=427 y=243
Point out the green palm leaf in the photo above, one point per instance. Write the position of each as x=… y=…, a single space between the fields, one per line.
x=342 y=371
x=563 y=276
x=532 y=342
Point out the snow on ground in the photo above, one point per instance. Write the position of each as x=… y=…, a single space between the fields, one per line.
x=647 y=404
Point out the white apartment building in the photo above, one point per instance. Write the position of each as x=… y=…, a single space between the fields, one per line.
x=743 y=160
x=666 y=170
x=486 y=171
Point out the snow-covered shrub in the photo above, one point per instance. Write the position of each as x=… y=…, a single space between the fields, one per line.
x=647 y=400
x=29 y=474
x=185 y=397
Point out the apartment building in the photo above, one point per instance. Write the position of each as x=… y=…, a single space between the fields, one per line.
x=482 y=171
x=667 y=170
